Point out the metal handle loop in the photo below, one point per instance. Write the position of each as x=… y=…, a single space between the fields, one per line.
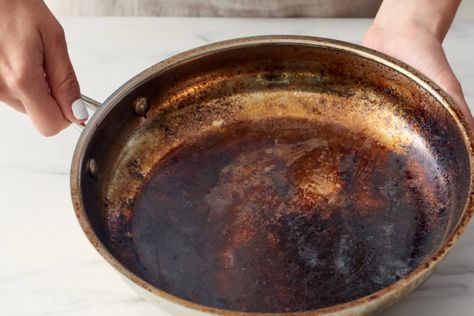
x=92 y=105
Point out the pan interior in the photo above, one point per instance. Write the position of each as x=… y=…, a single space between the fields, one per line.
x=277 y=179
x=285 y=215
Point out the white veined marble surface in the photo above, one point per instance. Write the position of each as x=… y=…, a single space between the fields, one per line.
x=47 y=266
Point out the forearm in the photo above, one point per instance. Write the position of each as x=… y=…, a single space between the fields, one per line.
x=435 y=16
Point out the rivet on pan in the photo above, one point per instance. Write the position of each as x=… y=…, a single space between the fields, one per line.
x=141 y=106
x=92 y=167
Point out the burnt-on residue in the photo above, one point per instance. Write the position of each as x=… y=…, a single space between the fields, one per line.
x=285 y=215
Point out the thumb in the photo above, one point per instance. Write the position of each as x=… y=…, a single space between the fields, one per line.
x=61 y=76
x=448 y=81
x=461 y=103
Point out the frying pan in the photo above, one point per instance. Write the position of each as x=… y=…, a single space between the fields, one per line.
x=275 y=174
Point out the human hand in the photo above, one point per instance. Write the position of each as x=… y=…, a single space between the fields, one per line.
x=36 y=74
x=421 y=49
x=413 y=32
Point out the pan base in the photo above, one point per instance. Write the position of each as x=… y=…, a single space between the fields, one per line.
x=285 y=215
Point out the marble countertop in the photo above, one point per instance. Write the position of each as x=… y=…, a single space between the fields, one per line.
x=48 y=267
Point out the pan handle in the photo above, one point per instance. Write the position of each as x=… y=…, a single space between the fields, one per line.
x=92 y=105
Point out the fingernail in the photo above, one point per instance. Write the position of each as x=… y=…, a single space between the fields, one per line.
x=79 y=110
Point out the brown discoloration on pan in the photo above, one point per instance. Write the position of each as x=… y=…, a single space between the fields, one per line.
x=372 y=100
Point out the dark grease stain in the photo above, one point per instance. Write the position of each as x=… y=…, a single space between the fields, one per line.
x=285 y=215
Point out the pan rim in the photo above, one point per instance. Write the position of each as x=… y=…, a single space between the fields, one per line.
x=384 y=297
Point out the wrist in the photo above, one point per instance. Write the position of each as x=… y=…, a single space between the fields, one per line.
x=404 y=27
x=430 y=17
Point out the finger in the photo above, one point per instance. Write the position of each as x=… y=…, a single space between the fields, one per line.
x=461 y=103
x=447 y=80
x=7 y=98
x=40 y=106
x=61 y=76
x=14 y=103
